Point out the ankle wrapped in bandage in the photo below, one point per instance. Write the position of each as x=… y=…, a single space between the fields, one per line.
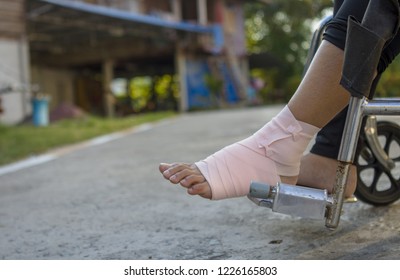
x=285 y=139
x=273 y=151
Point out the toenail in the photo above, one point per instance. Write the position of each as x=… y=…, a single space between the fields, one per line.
x=166 y=172
x=173 y=178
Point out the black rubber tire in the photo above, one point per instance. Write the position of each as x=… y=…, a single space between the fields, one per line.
x=375 y=185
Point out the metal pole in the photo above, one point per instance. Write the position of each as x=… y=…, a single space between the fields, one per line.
x=345 y=159
x=177 y=9
x=382 y=107
x=202 y=12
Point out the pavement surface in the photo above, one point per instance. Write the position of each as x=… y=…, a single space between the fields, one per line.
x=108 y=201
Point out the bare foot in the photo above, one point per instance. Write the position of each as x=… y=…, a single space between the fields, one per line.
x=316 y=172
x=188 y=176
x=274 y=149
x=320 y=172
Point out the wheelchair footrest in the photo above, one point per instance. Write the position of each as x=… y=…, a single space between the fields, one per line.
x=291 y=200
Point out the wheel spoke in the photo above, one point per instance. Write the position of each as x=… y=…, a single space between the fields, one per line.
x=389 y=138
x=377 y=174
x=394 y=184
x=373 y=187
x=366 y=166
x=366 y=155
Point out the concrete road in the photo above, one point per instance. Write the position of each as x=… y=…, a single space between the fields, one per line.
x=108 y=201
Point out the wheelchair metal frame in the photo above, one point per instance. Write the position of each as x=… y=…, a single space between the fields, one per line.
x=312 y=203
x=358 y=109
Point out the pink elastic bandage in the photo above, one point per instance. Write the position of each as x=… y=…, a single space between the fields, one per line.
x=273 y=151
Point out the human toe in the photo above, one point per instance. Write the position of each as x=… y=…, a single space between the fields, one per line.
x=191 y=180
x=174 y=170
x=164 y=166
x=202 y=189
x=188 y=176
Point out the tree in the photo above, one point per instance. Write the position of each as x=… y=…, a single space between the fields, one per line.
x=283 y=29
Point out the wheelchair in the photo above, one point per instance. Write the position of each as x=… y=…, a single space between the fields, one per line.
x=378 y=149
x=372 y=145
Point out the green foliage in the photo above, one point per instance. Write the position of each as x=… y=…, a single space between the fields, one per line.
x=389 y=84
x=215 y=85
x=17 y=142
x=283 y=29
x=166 y=91
x=140 y=88
x=149 y=93
x=270 y=93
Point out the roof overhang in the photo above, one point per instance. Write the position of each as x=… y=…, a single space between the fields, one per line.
x=71 y=33
x=111 y=13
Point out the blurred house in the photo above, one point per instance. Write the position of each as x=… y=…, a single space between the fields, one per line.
x=14 y=63
x=72 y=50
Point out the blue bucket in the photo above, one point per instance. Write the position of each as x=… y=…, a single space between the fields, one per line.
x=40 y=111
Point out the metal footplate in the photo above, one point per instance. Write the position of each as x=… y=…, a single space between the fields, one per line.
x=291 y=200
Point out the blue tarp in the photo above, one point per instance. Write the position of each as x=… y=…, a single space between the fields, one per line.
x=131 y=16
x=214 y=30
x=199 y=95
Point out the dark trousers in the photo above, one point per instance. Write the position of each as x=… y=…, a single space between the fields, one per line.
x=328 y=139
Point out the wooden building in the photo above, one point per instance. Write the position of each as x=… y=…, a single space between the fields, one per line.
x=77 y=48
x=14 y=63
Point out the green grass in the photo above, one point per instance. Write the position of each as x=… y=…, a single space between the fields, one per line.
x=18 y=142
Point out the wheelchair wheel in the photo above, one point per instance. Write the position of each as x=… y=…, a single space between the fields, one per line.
x=375 y=184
